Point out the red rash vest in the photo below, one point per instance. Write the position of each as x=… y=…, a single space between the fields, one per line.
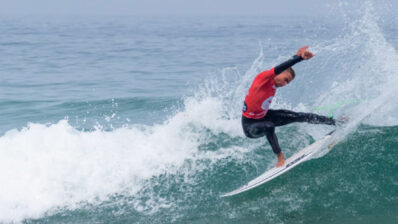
x=259 y=97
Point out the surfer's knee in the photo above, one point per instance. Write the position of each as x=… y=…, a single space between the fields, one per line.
x=247 y=134
x=252 y=131
x=268 y=125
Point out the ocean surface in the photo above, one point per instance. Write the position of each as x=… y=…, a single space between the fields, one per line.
x=137 y=119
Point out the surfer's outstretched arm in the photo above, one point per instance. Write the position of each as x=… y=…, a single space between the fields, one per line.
x=287 y=64
x=302 y=54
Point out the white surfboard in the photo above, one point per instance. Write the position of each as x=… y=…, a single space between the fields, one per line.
x=291 y=162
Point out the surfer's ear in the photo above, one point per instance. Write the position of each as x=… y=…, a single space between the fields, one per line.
x=292 y=72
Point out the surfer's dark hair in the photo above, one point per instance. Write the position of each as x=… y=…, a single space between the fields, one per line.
x=291 y=71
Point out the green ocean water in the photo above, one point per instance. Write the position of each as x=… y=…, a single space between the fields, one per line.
x=137 y=120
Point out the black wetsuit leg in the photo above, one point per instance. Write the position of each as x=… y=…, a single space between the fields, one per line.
x=284 y=117
x=273 y=140
x=256 y=128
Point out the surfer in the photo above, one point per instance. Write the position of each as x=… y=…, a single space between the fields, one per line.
x=258 y=120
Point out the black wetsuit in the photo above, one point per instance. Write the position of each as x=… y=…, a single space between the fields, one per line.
x=256 y=128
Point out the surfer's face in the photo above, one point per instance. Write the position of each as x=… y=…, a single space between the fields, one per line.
x=283 y=79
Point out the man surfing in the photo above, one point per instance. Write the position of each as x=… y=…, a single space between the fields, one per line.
x=258 y=120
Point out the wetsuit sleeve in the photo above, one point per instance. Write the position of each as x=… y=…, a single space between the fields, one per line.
x=289 y=63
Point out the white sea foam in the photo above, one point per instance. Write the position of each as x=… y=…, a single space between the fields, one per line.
x=370 y=82
x=373 y=72
x=43 y=167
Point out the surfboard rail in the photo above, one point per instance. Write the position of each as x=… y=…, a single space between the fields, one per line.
x=290 y=163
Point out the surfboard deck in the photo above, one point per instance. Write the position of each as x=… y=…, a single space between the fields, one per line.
x=291 y=162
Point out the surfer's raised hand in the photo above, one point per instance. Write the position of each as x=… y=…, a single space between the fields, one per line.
x=304 y=53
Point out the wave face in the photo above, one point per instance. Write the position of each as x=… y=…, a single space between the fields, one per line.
x=147 y=128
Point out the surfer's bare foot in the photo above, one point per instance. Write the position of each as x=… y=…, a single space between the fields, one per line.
x=342 y=120
x=281 y=160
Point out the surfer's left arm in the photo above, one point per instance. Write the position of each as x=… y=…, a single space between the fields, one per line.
x=302 y=54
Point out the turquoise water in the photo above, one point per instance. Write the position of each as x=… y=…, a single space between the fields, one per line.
x=137 y=119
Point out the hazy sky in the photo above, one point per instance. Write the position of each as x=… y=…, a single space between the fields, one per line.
x=134 y=7
x=185 y=7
